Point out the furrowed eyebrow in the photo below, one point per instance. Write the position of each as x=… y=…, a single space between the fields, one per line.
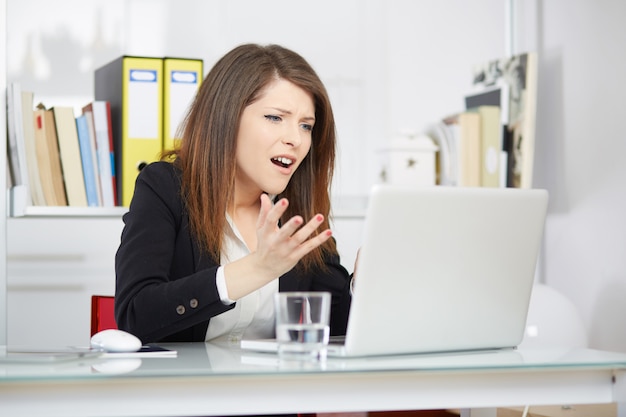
x=278 y=109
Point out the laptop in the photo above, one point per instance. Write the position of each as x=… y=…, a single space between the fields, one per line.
x=442 y=269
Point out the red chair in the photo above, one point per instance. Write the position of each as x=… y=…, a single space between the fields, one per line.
x=102 y=313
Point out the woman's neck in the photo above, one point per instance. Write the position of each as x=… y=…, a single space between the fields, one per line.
x=244 y=213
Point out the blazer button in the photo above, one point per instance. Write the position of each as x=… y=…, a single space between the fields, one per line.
x=193 y=303
x=180 y=310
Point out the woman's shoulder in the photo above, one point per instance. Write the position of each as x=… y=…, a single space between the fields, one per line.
x=160 y=172
x=158 y=183
x=161 y=178
x=161 y=167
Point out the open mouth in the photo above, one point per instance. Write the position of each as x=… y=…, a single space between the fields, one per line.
x=282 y=162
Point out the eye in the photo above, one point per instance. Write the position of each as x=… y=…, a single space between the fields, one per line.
x=273 y=118
x=307 y=127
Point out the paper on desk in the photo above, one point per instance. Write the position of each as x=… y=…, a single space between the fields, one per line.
x=45 y=355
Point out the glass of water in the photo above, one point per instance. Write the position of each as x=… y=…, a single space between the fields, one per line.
x=302 y=324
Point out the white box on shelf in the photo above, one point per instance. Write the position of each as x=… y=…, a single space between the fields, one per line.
x=410 y=161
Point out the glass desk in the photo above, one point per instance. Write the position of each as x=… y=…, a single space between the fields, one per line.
x=209 y=379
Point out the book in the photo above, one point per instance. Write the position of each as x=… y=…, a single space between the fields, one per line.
x=452 y=131
x=48 y=158
x=519 y=73
x=109 y=124
x=443 y=162
x=69 y=151
x=9 y=180
x=86 y=152
x=181 y=79
x=497 y=96
x=32 y=164
x=94 y=154
x=490 y=96
x=134 y=88
x=470 y=159
x=99 y=114
x=15 y=136
x=490 y=145
x=446 y=137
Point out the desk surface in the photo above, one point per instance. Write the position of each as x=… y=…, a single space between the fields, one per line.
x=207 y=379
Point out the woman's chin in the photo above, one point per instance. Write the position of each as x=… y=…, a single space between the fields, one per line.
x=274 y=189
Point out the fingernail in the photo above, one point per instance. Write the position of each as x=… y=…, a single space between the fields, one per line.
x=319 y=217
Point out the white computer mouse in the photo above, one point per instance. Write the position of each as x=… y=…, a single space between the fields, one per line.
x=115 y=340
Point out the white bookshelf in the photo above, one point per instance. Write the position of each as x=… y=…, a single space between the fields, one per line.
x=54 y=258
x=71 y=212
x=3 y=171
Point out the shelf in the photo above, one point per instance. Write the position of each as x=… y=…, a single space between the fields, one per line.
x=346 y=214
x=19 y=207
x=349 y=206
x=62 y=211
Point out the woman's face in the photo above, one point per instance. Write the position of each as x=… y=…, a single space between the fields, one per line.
x=274 y=137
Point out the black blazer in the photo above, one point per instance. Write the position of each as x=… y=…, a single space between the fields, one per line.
x=165 y=286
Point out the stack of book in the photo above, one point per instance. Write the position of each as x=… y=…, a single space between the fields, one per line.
x=90 y=158
x=58 y=157
x=491 y=142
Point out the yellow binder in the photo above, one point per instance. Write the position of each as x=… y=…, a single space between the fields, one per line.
x=181 y=79
x=134 y=87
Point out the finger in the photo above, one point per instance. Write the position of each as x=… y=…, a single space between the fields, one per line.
x=266 y=205
x=292 y=225
x=312 y=243
x=356 y=260
x=308 y=229
x=298 y=240
x=276 y=212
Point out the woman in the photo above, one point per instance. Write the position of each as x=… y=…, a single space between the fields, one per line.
x=238 y=212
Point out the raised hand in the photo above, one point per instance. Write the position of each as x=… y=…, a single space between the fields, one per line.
x=280 y=248
x=277 y=251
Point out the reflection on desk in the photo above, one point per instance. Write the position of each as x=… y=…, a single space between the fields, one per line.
x=212 y=379
x=219 y=359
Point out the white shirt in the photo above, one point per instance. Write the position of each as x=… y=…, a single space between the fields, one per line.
x=253 y=316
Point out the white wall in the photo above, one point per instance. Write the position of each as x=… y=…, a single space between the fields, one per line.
x=389 y=66
x=580 y=147
x=401 y=65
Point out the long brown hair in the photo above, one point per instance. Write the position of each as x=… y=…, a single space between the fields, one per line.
x=206 y=154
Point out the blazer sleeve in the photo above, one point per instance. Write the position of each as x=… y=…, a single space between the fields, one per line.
x=160 y=290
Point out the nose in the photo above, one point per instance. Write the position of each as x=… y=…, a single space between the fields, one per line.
x=292 y=136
